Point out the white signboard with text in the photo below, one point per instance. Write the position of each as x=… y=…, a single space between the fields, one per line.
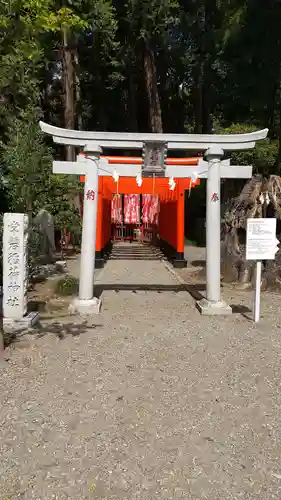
x=261 y=243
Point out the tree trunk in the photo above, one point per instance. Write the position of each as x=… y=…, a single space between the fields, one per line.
x=68 y=90
x=150 y=75
x=278 y=159
x=208 y=23
x=132 y=108
x=77 y=90
x=198 y=99
x=199 y=70
x=203 y=74
x=207 y=124
x=78 y=110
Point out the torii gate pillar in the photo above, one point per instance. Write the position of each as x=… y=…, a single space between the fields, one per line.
x=86 y=303
x=212 y=304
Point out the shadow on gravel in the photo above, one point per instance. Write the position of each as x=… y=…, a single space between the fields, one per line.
x=128 y=287
x=198 y=263
x=195 y=289
x=37 y=305
x=59 y=330
x=63 y=330
x=243 y=310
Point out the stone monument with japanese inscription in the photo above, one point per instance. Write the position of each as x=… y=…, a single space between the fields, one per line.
x=15 y=273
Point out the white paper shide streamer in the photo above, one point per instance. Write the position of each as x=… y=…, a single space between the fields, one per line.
x=172 y=184
x=139 y=180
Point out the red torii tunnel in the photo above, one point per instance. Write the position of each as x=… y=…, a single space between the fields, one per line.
x=170 y=231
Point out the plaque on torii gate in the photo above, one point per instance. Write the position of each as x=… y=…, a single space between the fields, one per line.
x=213 y=169
x=153 y=159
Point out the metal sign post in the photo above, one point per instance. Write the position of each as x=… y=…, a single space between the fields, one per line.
x=261 y=244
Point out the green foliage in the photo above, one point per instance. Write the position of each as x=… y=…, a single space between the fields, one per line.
x=262 y=157
x=27 y=165
x=26 y=162
x=62 y=18
x=150 y=18
x=68 y=285
x=216 y=49
x=35 y=249
x=23 y=46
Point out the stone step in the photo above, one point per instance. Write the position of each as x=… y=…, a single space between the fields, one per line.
x=135 y=252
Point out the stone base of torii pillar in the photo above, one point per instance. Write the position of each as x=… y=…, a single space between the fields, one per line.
x=85 y=307
x=208 y=308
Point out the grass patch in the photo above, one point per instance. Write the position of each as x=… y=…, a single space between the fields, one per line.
x=66 y=286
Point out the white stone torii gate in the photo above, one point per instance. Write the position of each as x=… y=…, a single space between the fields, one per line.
x=214 y=147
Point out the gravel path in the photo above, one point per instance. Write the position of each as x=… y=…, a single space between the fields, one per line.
x=148 y=401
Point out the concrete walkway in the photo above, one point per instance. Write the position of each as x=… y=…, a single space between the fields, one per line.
x=148 y=401
x=132 y=263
